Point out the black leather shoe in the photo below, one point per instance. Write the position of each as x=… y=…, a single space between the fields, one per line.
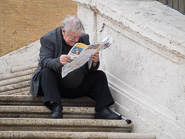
x=56 y=111
x=106 y=113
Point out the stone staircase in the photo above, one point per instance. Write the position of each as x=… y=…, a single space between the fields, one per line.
x=23 y=116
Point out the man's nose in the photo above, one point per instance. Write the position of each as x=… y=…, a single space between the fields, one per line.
x=76 y=39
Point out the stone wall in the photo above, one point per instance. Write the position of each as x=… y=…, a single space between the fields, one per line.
x=25 y=21
x=145 y=65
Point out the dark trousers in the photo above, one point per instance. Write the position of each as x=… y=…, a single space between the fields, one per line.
x=94 y=83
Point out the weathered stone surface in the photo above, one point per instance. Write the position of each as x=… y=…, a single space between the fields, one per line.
x=15 y=80
x=15 y=86
x=90 y=125
x=141 y=19
x=43 y=109
x=43 y=112
x=11 y=92
x=27 y=55
x=22 y=93
x=6 y=76
x=145 y=64
x=29 y=100
x=75 y=135
x=24 y=67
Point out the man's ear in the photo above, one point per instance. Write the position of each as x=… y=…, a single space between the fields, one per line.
x=63 y=31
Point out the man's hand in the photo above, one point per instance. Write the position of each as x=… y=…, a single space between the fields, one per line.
x=95 y=59
x=64 y=59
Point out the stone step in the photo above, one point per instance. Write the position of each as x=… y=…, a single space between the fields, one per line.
x=16 y=74
x=70 y=125
x=21 y=93
x=16 y=91
x=15 y=86
x=74 y=135
x=38 y=101
x=16 y=80
x=24 y=67
x=43 y=112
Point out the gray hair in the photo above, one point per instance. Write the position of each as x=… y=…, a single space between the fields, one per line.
x=73 y=24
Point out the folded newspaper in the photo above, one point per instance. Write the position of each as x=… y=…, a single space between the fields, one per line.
x=80 y=54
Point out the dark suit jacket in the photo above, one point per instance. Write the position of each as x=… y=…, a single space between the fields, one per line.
x=50 y=52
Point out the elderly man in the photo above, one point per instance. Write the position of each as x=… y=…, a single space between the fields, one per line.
x=84 y=81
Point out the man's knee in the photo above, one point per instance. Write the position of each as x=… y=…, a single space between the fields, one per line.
x=100 y=73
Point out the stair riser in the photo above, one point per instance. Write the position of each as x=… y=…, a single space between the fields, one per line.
x=15 y=80
x=41 y=104
x=74 y=135
x=12 y=92
x=22 y=103
x=43 y=112
x=15 y=86
x=89 y=125
x=65 y=116
x=7 y=76
x=20 y=93
x=62 y=128
x=24 y=67
x=38 y=101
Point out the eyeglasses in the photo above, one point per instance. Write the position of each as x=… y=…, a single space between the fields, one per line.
x=71 y=36
x=74 y=37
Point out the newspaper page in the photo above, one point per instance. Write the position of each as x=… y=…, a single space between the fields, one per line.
x=80 y=54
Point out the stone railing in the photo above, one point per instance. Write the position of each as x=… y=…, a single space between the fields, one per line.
x=17 y=69
x=145 y=65
x=22 y=57
x=17 y=82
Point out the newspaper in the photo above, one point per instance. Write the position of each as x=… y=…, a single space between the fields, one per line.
x=80 y=54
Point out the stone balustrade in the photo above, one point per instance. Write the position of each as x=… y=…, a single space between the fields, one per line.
x=145 y=65
x=20 y=58
x=17 y=69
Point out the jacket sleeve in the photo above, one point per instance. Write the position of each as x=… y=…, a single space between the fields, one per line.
x=91 y=68
x=47 y=52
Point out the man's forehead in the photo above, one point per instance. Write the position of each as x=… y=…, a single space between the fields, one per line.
x=74 y=33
